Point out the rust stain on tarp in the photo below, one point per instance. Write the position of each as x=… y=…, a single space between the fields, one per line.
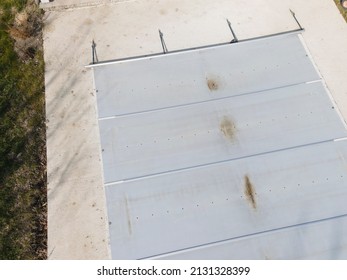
x=249 y=191
x=212 y=84
x=227 y=127
x=128 y=216
x=215 y=83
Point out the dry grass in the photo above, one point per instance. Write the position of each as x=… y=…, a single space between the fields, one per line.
x=26 y=31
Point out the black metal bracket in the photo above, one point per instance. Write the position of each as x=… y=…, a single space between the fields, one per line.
x=94 y=54
x=293 y=14
x=234 y=40
x=161 y=35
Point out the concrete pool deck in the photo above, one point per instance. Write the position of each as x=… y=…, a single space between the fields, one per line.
x=77 y=220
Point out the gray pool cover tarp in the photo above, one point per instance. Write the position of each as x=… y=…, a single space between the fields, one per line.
x=209 y=150
x=201 y=75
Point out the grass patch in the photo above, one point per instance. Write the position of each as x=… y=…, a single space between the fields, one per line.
x=342 y=10
x=23 y=221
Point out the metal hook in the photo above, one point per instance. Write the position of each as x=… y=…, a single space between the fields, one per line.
x=94 y=54
x=293 y=14
x=161 y=35
x=232 y=32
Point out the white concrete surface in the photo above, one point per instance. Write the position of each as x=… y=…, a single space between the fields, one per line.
x=77 y=227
